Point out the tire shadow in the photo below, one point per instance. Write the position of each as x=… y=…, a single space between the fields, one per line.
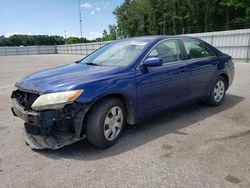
x=144 y=132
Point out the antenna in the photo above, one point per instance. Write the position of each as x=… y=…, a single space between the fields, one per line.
x=80 y=17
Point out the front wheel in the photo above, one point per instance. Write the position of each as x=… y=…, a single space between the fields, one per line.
x=106 y=122
x=217 y=93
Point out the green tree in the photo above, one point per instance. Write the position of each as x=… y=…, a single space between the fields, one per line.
x=111 y=34
x=72 y=40
x=151 y=17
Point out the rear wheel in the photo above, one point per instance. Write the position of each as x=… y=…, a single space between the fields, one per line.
x=218 y=91
x=106 y=122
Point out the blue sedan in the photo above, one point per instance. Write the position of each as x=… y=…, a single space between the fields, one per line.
x=123 y=82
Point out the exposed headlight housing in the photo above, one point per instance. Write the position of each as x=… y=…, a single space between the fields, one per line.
x=55 y=100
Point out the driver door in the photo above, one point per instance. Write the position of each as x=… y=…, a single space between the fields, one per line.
x=164 y=86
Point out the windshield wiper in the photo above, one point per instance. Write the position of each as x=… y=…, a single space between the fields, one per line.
x=90 y=63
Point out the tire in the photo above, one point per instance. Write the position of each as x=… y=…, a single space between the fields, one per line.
x=218 y=91
x=105 y=122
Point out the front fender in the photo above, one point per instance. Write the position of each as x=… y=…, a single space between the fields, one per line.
x=121 y=85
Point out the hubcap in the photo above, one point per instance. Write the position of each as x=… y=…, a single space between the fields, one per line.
x=113 y=123
x=219 y=91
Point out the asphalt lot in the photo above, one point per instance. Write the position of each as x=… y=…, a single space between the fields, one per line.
x=197 y=146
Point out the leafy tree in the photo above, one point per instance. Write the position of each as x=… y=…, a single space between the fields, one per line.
x=72 y=40
x=111 y=35
x=29 y=40
x=104 y=35
x=151 y=17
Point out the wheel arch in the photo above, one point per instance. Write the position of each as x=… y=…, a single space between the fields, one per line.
x=128 y=104
x=226 y=78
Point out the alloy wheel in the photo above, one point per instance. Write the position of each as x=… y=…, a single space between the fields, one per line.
x=219 y=91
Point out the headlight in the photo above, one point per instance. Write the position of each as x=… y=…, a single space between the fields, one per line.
x=55 y=100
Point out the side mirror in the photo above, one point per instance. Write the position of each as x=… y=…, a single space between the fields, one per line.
x=152 y=62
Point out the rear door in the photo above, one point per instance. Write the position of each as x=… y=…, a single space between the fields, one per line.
x=161 y=87
x=202 y=66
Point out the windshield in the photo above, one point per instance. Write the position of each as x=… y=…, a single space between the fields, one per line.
x=118 y=54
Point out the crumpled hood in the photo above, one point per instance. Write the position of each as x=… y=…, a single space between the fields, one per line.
x=65 y=77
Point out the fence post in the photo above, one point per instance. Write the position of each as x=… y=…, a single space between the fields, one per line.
x=248 y=49
x=212 y=39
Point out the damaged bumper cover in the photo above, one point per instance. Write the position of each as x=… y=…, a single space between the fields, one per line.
x=52 y=129
x=50 y=141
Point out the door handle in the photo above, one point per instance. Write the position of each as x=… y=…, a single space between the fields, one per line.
x=215 y=62
x=183 y=69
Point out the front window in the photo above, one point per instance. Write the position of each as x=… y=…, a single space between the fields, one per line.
x=119 y=54
x=169 y=51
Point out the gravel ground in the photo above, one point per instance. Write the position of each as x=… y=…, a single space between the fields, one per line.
x=197 y=146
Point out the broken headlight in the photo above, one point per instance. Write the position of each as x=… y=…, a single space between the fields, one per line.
x=55 y=100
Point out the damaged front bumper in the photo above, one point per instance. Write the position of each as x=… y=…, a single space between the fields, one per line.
x=50 y=141
x=52 y=129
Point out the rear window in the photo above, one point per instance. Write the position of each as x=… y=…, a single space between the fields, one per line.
x=196 y=49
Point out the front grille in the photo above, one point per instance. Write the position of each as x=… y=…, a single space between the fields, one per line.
x=24 y=99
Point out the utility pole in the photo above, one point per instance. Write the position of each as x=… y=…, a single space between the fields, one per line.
x=65 y=35
x=80 y=17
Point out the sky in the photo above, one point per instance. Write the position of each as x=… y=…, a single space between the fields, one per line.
x=55 y=17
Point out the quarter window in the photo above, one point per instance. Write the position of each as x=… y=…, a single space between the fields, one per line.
x=196 y=49
x=168 y=51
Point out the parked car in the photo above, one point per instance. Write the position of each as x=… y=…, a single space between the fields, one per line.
x=125 y=81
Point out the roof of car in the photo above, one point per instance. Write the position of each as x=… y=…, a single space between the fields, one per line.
x=159 y=37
